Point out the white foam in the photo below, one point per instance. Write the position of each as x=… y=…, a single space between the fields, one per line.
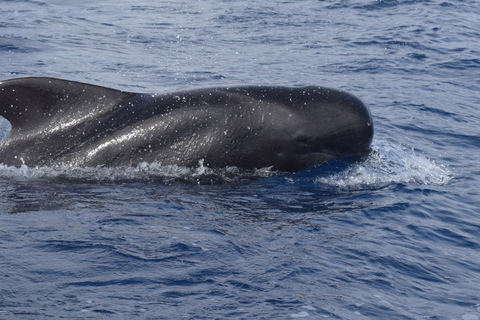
x=389 y=163
x=144 y=172
x=309 y=308
x=301 y=314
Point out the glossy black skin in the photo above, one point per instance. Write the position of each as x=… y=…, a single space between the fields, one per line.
x=56 y=122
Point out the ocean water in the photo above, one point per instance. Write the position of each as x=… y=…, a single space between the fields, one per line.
x=396 y=236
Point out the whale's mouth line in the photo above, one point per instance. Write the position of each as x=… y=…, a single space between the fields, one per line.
x=327 y=155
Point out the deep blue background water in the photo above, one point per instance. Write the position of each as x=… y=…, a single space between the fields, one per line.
x=394 y=237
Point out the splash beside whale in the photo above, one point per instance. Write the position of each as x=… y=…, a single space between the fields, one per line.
x=60 y=122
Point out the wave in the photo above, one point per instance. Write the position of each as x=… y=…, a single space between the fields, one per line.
x=389 y=164
x=144 y=173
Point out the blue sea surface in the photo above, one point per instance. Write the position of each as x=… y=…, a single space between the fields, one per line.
x=396 y=236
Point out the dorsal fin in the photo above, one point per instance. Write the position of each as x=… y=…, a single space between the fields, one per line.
x=29 y=102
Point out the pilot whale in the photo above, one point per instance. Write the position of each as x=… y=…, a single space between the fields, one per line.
x=60 y=122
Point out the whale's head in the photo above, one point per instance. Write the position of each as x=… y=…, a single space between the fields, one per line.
x=323 y=124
